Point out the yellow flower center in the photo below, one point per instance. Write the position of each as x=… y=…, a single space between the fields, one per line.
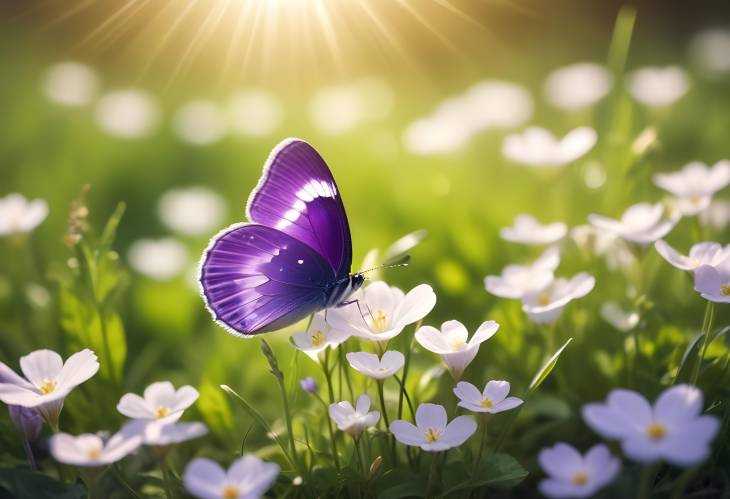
x=543 y=298
x=432 y=435
x=656 y=431
x=696 y=200
x=725 y=290
x=580 y=478
x=47 y=385
x=487 y=404
x=230 y=492
x=457 y=344
x=380 y=320
x=93 y=453
x=317 y=339
x=161 y=412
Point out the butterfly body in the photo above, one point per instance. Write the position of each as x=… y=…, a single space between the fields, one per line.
x=293 y=258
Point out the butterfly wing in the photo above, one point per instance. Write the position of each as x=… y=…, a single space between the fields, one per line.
x=298 y=196
x=257 y=279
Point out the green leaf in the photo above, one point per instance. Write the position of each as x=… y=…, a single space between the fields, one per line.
x=214 y=408
x=110 y=229
x=547 y=367
x=23 y=483
x=498 y=470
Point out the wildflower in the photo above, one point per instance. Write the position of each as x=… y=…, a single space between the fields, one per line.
x=431 y=431
x=308 y=384
x=717 y=215
x=706 y=253
x=319 y=336
x=710 y=50
x=200 y=123
x=18 y=215
x=572 y=475
x=546 y=305
x=695 y=184
x=248 y=477
x=657 y=86
x=354 y=420
x=518 y=280
x=538 y=147
x=527 y=230
x=161 y=402
x=578 y=86
x=492 y=399
x=160 y=259
x=377 y=368
x=641 y=223
x=27 y=421
x=48 y=380
x=162 y=433
x=381 y=311
x=127 y=114
x=71 y=84
x=91 y=450
x=599 y=242
x=713 y=283
x=672 y=430
x=254 y=113
x=451 y=344
x=618 y=318
x=191 y=211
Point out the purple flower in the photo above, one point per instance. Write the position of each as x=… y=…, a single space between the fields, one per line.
x=308 y=384
x=28 y=422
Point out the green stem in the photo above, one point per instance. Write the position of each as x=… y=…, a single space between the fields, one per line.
x=118 y=475
x=706 y=329
x=289 y=426
x=646 y=481
x=681 y=483
x=482 y=444
x=433 y=474
x=406 y=364
x=167 y=478
x=381 y=396
x=333 y=441
x=29 y=454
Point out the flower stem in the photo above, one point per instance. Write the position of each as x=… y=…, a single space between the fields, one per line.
x=29 y=454
x=706 y=329
x=333 y=441
x=118 y=475
x=433 y=474
x=405 y=372
x=482 y=444
x=381 y=396
x=167 y=478
x=646 y=481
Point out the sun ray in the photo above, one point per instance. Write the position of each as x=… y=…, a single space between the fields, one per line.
x=424 y=22
x=71 y=12
x=460 y=13
x=108 y=22
x=233 y=45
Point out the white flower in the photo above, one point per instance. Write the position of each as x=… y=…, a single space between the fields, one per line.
x=161 y=433
x=191 y=211
x=318 y=336
x=451 y=344
x=48 y=380
x=641 y=223
x=248 y=478
x=603 y=243
x=578 y=86
x=546 y=305
x=160 y=259
x=710 y=50
x=161 y=402
x=672 y=430
x=492 y=399
x=254 y=113
x=518 y=280
x=439 y=134
x=381 y=311
x=497 y=104
x=336 y=110
x=200 y=122
x=695 y=184
x=572 y=475
x=91 y=450
x=354 y=420
x=127 y=114
x=370 y=365
x=713 y=283
x=717 y=215
x=431 y=431
x=18 y=215
x=71 y=84
x=657 y=86
x=618 y=318
x=706 y=253
x=527 y=230
x=538 y=147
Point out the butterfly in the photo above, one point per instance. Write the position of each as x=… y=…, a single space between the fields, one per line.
x=292 y=258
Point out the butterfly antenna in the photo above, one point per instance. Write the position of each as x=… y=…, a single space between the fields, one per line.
x=400 y=262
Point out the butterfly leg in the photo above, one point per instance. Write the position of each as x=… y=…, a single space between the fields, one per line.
x=357 y=302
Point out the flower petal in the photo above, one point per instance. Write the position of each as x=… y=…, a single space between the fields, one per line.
x=135 y=407
x=486 y=330
x=496 y=391
x=458 y=431
x=431 y=416
x=678 y=404
x=467 y=392
x=40 y=365
x=416 y=304
x=7 y=375
x=184 y=397
x=78 y=368
x=432 y=340
x=203 y=478
x=363 y=404
x=406 y=433
x=560 y=461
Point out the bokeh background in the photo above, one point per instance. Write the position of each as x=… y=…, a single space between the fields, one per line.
x=172 y=107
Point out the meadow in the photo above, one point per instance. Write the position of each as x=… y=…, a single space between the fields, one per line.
x=130 y=186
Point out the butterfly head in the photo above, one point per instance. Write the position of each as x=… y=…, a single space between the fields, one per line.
x=356 y=281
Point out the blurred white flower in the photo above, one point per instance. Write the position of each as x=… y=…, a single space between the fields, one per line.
x=705 y=253
x=318 y=336
x=572 y=475
x=600 y=242
x=618 y=317
x=200 y=122
x=160 y=259
x=337 y=110
x=436 y=135
x=162 y=434
x=381 y=311
x=717 y=215
x=48 y=380
x=710 y=50
x=161 y=402
x=431 y=431
x=18 y=215
x=713 y=283
x=377 y=368
x=453 y=345
x=695 y=184
x=492 y=399
x=546 y=305
x=71 y=84
x=89 y=450
x=658 y=86
x=538 y=147
x=527 y=230
x=127 y=114
x=518 y=280
x=377 y=97
x=354 y=420
x=248 y=478
x=191 y=211
x=673 y=430
x=254 y=113
x=578 y=86
x=497 y=104
x=641 y=223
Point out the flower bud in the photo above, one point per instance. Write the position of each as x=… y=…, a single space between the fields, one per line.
x=308 y=384
x=28 y=422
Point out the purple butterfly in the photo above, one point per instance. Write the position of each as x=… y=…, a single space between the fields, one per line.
x=293 y=258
